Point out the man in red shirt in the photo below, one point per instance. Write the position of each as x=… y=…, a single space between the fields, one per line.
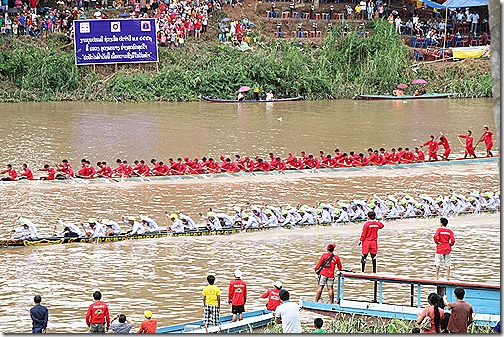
x=433 y=147
x=12 y=173
x=237 y=296
x=469 y=148
x=325 y=267
x=66 y=170
x=420 y=156
x=273 y=296
x=51 y=172
x=27 y=173
x=149 y=325
x=444 y=240
x=97 y=317
x=487 y=138
x=369 y=240
x=444 y=142
x=119 y=170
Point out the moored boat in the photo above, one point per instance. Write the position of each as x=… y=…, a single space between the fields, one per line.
x=484 y=297
x=457 y=161
x=251 y=320
x=405 y=97
x=217 y=100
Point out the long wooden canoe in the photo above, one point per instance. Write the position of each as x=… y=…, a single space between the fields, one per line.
x=405 y=97
x=217 y=100
x=201 y=231
x=251 y=320
x=484 y=297
x=457 y=161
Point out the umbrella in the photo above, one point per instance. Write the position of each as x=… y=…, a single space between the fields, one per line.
x=226 y=19
x=419 y=81
x=244 y=88
x=402 y=86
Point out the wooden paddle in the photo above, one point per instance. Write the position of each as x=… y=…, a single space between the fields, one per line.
x=479 y=141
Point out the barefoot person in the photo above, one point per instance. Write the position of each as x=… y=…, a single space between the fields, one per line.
x=211 y=302
x=469 y=148
x=444 y=142
x=444 y=240
x=325 y=270
x=369 y=240
x=237 y=296
x=487 y=138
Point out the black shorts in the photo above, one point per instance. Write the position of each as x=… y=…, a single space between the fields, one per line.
x=237 y=309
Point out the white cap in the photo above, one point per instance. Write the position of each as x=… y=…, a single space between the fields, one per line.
x=277 y=284
x=238 y=273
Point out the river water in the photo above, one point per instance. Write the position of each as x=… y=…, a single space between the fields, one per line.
x=167 y=275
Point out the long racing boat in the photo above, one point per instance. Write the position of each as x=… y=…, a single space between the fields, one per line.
x=201 y=231
x=458 y=161
x=217 y=100
x=405 y=97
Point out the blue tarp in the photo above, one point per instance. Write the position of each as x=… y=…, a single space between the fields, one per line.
x=456 y=3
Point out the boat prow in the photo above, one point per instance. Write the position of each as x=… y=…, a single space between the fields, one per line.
x=251 y=320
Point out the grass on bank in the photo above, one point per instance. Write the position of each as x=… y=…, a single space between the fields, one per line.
x=35 y=70
x=356 y=324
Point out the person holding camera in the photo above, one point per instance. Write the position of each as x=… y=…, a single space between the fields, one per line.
x=325 y=271
x=124 y=325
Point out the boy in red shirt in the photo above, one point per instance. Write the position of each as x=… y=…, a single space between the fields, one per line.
x=369 y=240
x=237 y=296
x=149 y=325
x=273 y=296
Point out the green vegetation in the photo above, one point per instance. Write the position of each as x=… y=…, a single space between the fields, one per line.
x=356 y=324
x=33 y=70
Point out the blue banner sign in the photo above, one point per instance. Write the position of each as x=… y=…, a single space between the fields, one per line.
x=115 y=41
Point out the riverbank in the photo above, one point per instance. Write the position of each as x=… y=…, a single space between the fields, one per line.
x=341 y=67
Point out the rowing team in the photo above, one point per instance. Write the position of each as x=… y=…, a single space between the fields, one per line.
x=270 y=216
x=306 y=161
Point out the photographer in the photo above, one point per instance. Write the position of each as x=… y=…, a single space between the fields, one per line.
x=124 y=325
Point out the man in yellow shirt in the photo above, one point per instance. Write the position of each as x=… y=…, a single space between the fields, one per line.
x=211 y=302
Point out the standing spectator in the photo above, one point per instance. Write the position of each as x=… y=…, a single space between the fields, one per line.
x=444 y=240
x=124 y=325
x=369 y=240
x=325 y=267
x=255 y=90
x=149 y=325
x=211 y=302
x=461 y=312
x=273 y=296
x=237 y=296
x=287 y=314
x=39 y=316
x=98 y=315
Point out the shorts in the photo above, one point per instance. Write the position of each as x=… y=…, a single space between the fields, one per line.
x=238 y=309
x=324 y=280
x=442 y=260
x=370 y=247
x=97 y=328
x=211 y=315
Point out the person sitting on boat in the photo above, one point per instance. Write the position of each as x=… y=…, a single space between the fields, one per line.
x=113 y=228
x=269 y=96
x=271 y=219
x=99 y=229
x=51 y=172
x=87 y=171
x=12 y=174
x=27 y=231
x=249 y=221
x=287 y=218
x=105 y=170
x=306 y=217
x=323 y=216
x=341 y=215
x=422 y=90
x=68 y=230
x=435 y=313
x=150 y=225
x=188 y=222
x=213 y=222
x=65 y=170
x=27 y=173
x=416 y=93
x=177 y=224
x=137 y=227
x=242 y=96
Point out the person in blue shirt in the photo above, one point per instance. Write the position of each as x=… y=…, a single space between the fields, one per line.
x=39 y=315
